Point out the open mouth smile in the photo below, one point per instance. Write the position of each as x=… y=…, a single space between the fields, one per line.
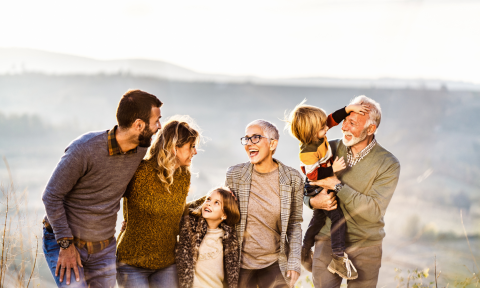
x=253 y=152
x=206 y=209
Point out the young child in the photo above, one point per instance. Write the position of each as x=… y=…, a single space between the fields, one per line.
x=309 y=125
x=208 y=249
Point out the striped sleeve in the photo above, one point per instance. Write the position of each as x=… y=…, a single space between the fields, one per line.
x=336 y=117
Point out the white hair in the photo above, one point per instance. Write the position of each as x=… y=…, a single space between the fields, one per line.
x=375 y=114
x=268 y=128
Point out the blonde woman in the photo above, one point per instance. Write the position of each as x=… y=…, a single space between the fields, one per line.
x=153 y=206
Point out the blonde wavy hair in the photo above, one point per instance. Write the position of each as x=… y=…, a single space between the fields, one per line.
x=176 y=132
x=305 y=121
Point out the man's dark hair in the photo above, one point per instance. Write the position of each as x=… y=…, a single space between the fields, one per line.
x=136 y=104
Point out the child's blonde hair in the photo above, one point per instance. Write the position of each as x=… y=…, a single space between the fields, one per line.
x=305 y=121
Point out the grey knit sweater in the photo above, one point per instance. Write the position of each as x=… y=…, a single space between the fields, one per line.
x=83 y=195
x=364 y=198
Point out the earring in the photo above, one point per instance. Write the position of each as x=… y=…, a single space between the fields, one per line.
x=222 y=218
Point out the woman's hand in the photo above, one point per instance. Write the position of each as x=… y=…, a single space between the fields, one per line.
x=357 y=108
x=124 y=226
x=293 y=277
x=338 y=164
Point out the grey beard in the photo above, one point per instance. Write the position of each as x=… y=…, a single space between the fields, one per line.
x=355 y=140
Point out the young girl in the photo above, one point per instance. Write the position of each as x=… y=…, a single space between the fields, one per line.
x=309 y=124
x=208 y=249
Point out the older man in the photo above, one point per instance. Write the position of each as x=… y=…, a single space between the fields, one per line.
x=364 y=190
x=270 y=196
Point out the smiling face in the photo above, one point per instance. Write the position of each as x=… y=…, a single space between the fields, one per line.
x=212 y=208
x=185 y=154
x=353 y=128
x=261 y=151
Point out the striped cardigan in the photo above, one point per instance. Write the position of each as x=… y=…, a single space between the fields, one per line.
x=239 y=178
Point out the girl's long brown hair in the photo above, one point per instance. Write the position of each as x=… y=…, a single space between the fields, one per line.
x=230 y=206
x=177 y=132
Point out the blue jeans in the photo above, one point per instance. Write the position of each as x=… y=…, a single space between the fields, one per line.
x=135 y=277
x=98 y=269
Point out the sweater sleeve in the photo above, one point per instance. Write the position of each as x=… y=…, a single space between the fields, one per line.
x=72 y=166
x=306 y=201
x=138 y=182
x=372 y=205
x=336 y=117
x=133 y=184
x=195 y=203
x=324 y=172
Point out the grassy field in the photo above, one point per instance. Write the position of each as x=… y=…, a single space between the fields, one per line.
x=432 y=133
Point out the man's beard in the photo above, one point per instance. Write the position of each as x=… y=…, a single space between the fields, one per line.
x=145 y=137
x=354 y=139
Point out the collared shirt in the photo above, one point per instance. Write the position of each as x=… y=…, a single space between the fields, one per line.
x=352 y=160
x=113 y=147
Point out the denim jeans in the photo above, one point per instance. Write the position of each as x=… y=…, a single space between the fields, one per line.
x=98 y=269
x=337 y=232
x=135 y=277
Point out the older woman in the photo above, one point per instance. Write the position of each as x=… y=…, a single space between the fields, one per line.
x=153 y=206
x=271 y=198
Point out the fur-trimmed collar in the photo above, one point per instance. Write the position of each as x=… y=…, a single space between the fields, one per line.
x=192 y=231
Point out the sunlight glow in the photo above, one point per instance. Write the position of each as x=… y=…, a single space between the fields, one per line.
x=352 y=39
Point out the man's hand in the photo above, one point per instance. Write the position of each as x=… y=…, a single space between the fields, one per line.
x=293 y=277
x=68 y=260
x=327 y=183
x=124 y=226
x=324 y=201
x=338 y=164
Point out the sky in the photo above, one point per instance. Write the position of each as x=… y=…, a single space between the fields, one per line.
x=339 y=38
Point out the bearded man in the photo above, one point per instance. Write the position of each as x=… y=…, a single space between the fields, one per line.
x=83 y=195
x=364 y=190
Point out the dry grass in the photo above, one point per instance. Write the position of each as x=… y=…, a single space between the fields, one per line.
x=420 y=278
x=19 y=248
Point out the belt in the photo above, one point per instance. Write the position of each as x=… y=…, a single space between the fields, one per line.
x=92 y=247
x=47 y=226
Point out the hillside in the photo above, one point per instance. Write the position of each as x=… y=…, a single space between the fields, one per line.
x=431 y=131
x=14 y=61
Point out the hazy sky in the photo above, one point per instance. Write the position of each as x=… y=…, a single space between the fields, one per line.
x=408 y=39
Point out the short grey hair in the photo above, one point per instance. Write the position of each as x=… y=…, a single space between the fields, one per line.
x=269 y=129
x=375 y=114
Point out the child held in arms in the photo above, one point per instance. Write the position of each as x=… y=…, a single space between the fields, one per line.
x=309 y=124
x=208 y=250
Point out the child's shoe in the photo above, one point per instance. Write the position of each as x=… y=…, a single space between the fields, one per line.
x=343 y=267
x=307 y=259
